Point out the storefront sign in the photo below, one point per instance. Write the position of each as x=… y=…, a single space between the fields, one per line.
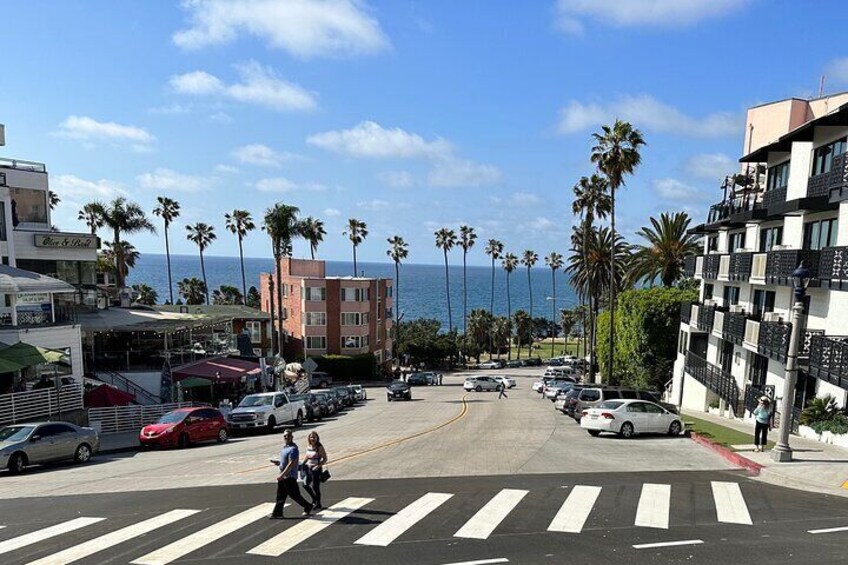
x=34 y=298
x=66 y=241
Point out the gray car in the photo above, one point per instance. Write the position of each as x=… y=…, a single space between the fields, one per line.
x=45 y=442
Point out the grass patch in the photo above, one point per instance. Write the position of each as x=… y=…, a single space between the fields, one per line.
x=728 y=437
x=541 y=349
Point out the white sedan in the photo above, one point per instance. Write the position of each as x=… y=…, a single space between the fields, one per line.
x=506 y=381
x=629 y=417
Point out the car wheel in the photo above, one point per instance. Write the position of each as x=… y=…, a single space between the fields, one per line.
x=626 y=430
x=675 y=428
x=17 y=462
x=83 y=453
x=223 y=435
x=272 y=423
x=182 y=442
x=594 y=433
x=388 y=398
x=479 y=388
x=298 y=422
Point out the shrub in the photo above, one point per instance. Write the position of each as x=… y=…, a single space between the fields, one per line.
x=837 y=425
x=819 y=410
x=348 y=367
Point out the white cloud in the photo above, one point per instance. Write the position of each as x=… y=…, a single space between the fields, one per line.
x=542 y=224
x=72 y=187
x=370 y=139
x=332 y=212
x=570 y=14
x=167 y=179
x=710 y=166
x=170 y=110
x=229 y=169
x=259 y=154
x=375 y=205
x=524 y=199
x=304 y=28
x=463 y=173
x=837 y=71
x=281 y=184
x=647 y=113
x=673 y=189
x=86 y=128
x=259 y=85
x=221 y=118
x=396 y=179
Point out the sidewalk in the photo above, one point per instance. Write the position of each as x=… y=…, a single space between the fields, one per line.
x=816 y=467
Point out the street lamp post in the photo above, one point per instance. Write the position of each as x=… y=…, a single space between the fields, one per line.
x=800 y=279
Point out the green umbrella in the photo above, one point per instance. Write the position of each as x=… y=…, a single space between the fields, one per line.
x=22 y=355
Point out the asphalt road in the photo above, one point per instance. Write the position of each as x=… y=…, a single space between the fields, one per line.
x=494 y=519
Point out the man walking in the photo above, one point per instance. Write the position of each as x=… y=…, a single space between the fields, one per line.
x=287 y=481
x=502 y=391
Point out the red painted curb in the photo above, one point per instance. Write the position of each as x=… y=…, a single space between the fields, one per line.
x=752 y=467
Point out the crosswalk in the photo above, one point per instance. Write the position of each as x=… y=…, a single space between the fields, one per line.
x=484 y=518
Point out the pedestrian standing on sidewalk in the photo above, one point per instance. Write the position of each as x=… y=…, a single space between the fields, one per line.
x=316 y=458
x=287 y=481
x=762 y=414
x=502 y=391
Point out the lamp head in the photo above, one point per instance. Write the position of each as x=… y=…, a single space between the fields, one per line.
x=800 y=281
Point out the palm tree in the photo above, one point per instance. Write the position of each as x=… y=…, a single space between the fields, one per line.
x=240 y=223
x=282 y=225
x=398 y=251
x=479 y=328
x=53 y=199
x=227 y=295
x=357 y=231
x=192 y=290
x=523 y=326
x=667 y=247
x=446 y=240
x=467 y=237
x=147 y=295
x=124 y=217
x=312 y=230
x=501 y=332
x=169 y=210
x=121 y=257
x=509 y=263
x=493 y=249
x=203 y=235
x=554 y=261
x=528 y=260
x=92 y=214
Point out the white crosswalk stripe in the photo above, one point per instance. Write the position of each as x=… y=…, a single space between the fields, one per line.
x=575 y=510
x=482 y=524
x=730 y=504
x=46 y=533
x=654 y=506
x=205 y=536
x=112 y=539
x=299 y=533
x=394 y=527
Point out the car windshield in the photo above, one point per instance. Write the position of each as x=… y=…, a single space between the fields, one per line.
x=610 y=405
x=15 y=433
x=397 y=384
x=172 y=418
x=255 y=400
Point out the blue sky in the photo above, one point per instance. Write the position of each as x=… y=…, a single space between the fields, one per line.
x=409 y=115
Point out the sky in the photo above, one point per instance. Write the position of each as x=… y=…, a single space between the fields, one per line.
x=410 y=115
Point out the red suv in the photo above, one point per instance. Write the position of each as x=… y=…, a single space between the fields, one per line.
x=185 y=426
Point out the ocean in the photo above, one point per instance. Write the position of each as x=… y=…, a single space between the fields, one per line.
x=421 y=291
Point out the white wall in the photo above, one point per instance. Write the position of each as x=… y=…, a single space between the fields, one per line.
x=799 y=171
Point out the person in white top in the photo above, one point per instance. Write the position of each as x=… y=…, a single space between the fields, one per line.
x=314 y=462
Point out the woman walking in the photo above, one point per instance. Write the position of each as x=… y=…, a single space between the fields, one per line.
x=763 y=416
x=316 y=458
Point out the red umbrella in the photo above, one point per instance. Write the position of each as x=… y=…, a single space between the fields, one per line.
x=105 y=396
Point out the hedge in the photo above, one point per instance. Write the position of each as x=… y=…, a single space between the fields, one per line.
x=348 y=367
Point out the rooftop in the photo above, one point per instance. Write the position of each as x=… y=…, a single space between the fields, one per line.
x=22 y=165
x=165 y=318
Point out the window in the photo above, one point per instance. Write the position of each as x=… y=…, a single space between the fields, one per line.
x=636 y=407
x=389 y=291
x=762 y=302
x=365 y=317
x=316 y=293
x=769 y=237
x=725 y=355
x=653 y=409
x=316 y=318
x=708 y=291
x=712 y=243
x=352 y=342
x=778 y=176
x=820 y=234
x=590 y=395
x=757 y=369
x=316 y=342
x=28 y=206
x=683 y=342
x=254 y=328
x=823 y=156
x=350 y=318
x=731 y=295
x=355 y=295
x=389 y=314
x=735 y=241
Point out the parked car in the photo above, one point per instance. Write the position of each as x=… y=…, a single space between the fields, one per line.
x=533 y=362
x=266 y=411
x=554 y=362
x=567 y=403
x=329 y=399
x=360 y=392
x=320 y=379
x=432 y=378
x=480 y=383
x=539 y=386
x=344 y=394
x=506 y=381
x=417 y=379
x=311 y=404
x=185 y=426
x=629 y=417
x=560 y=372
x=554 y=387
x=398 y=390
x=45 y=442
x=493 y=364
x=513 y=363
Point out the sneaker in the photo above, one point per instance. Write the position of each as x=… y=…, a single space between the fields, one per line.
x=275 y=517
x=308 y=510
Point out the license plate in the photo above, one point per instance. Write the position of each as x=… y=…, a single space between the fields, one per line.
x=593 y=417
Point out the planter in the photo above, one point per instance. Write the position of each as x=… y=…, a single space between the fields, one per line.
x=807 y=432
x=841 y=440
x=714 y=411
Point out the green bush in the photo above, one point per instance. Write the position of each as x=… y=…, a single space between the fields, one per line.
x=837 y=425
x=348 y=367
x=819 y=410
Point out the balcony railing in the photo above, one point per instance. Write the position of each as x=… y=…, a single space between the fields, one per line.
x=61 y=315
x=740 y=266
x=712 y=263
x=836 y=179
x=781 y=264
x=706 y=315
x=774 y=340
x=689 y=266
x=833 y=267
x=734 y=327
x=714 y=378
x=727 y=208
x=685 y=312
x=829 y=359
x=22 y=165
x=774 y=197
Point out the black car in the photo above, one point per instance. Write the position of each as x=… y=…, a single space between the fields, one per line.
x=417 y=379
x=345 y=395
x=314 y=410
x=328 y=400
x=398 y=390
x=533 y=362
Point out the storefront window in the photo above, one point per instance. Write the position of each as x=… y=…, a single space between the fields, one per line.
x=29 y=206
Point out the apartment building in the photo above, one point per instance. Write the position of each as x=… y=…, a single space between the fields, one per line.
x=792 y=209
x=332 y=315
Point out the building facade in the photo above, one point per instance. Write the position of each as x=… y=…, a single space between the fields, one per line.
x=332 y=315
x=789 y=207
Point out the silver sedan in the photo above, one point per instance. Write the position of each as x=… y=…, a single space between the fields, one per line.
x=45 y=442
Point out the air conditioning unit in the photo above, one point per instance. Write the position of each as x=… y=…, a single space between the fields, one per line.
x=709 y=303
x=737 y=309
x=771 y=317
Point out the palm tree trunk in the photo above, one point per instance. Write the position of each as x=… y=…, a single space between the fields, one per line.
x=395 y=306
x=168 y=258
x=509 y=319
x=492 y=312
x=447 y=292
x=553 y=311
x=464 y=294
x=243 y=279
x=119 y=261
x=203 y=270
x=312 y=251
x=280 y=320
x=354 y=260
x=273 y=315
x=530 y=326
x=611 y=356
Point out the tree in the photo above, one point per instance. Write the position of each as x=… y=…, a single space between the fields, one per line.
x=467 y=237
x=253 y=298
x=501 y=332
x=568 y=319
x=282 y=225
x=169 y=210
x=356 y=231
x=240 y=223
x=554 y=261
x=523 y=330
x=227 y=295
x=493 y=249
x=124 y=217
x=193 y=290
x=509 y=264
x=479 y=329
x=423 y=341
x=146 y=294
x=53 y=199
x=312 y=230
x=666 y=250
x=528 y=260
x=202 y=235
x=398 y=251
x=616 y=154
x=121 y=258
x=92 y=214
x=446 y=240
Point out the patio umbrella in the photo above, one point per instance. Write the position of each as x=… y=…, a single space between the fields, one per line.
x=22 y=355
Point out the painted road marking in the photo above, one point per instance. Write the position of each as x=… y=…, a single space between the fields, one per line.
x=46 y=533
x=730 y=504
x=828 y=530
x=668 y=544
x=484 y=522
x=195 y=541
x=91 y=547
x=575 y=510
x=304 y=530
x=653 y=506
x=394 y=527
x=482 y=561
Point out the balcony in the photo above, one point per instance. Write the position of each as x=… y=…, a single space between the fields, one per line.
x=838 y=180
x=774 y=197
x=61 y=315
x=781 y=264
x=22 y=165
x=706 y=315
x=736 y=210
x=774 y=340
x=689 y=266
x=829 y=359
x=685 y=312
x=712 y=264
x=714 y=378
x=833 y=268
x=740 y=266
x=734 y=327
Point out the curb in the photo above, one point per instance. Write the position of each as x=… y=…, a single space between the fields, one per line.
x=730 y=455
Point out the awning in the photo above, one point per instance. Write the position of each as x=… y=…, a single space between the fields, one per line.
x=222 y=369
x=22 y=355
x=18 y=281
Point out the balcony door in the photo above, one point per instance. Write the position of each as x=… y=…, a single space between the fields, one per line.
x=757 y=369
x=726 y=356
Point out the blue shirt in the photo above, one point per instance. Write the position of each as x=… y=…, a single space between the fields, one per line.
x=762 y=414
x=290 y=453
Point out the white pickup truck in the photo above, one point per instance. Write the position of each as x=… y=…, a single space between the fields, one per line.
x=266 y=411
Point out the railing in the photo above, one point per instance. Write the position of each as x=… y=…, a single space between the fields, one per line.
x=774 y=197
x=829 y=359
x=711 y=266
x=781 y=264
x=714 y=378
x=61 y=315
x=818 y=185
x=752 y=333
x=132 y=418
x=685 y=312
x=774 y=340
x=740 y=266
x=689 y=266
x=120 y=382
x=833 y=180
x=706 y=315
x=42 y=404
x=727 y=208
x=22 y=165
x=806 y=341
x=833 y=267
x=734 y=327
x=838 y=177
